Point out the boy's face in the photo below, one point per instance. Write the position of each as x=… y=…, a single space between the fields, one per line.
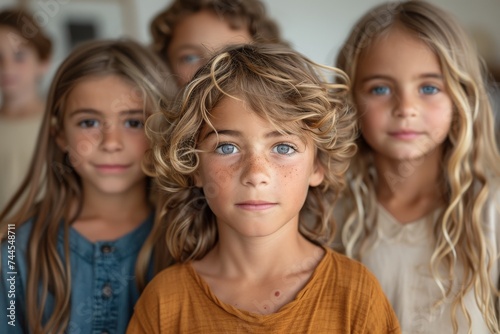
x=254 y=178
x=195 y=38
x=20 y=66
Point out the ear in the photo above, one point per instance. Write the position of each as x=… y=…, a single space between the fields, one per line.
x=318 y=174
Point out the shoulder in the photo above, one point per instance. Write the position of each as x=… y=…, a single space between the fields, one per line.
x=350 y=272
x=352 y=282
x=357 y=289
x=169 y=284
x=162 y=299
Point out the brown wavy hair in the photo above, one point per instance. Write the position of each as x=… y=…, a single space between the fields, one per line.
x=249 y=13
x=23 y=23
x=281 y=86
x=470 y=155
x=50 y=174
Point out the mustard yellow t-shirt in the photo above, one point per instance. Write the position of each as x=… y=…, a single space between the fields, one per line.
x=341 y=297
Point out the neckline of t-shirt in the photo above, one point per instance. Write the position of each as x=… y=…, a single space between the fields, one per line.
x=393 y=221
x=257 y=317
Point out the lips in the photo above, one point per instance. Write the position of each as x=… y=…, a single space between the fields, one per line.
x=256 y=205
x=405 y=134
x=112 y=168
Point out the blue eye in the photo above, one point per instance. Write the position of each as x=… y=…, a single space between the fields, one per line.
x=190 y=59
x=429 y=90
x=88 y=123
x=226 y=149
x=284 y=149
x=380 y=90
x=134 y=123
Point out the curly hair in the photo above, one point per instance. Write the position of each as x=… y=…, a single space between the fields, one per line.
x=470 y=154
x=279 y=85
x=249 y=13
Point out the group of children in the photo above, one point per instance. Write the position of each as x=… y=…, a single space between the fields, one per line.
x=216 y=208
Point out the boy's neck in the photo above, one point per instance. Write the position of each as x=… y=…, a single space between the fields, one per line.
x=260 y=275
x=410 y=190
x=256 y=258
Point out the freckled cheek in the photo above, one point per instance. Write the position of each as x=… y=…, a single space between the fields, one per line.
x=219 y=173
x=224 y=175
x=289 y=174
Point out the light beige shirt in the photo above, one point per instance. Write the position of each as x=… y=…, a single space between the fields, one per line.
x=17 y=143
x=400 y=258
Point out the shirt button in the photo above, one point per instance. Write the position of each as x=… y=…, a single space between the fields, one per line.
x=107 y=291
x=106 y=249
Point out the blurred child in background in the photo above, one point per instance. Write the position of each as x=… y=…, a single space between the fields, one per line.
x=25 y=52
x=187 y=33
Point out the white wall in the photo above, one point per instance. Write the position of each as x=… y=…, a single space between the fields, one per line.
x=316 y=28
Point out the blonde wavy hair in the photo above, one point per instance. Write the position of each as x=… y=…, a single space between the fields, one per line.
x=279 y=85
x=51 y=175
x=470 y=155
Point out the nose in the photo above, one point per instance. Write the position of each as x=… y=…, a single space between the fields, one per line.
x=111 y=138
x=256 y=171
x=406 y=105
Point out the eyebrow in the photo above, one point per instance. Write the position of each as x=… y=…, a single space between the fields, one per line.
x=238 y=134
x=99 y=113
x=386 y=77
x=189 y=47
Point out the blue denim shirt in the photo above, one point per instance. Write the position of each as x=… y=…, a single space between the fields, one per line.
x=103 y=291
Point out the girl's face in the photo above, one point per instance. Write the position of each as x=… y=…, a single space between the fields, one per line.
x=20 y=66
x=405 y=110
x=103 y=134
x=254 y=178
x=195 y=38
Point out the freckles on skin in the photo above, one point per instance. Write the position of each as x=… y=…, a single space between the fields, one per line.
x=224 y=175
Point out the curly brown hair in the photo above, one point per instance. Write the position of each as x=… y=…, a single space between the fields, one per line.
x=24 y=24
x=250 y=13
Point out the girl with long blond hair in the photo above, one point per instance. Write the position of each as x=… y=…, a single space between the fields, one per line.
x=423 y=206
x=76 y=260
x=253 y=145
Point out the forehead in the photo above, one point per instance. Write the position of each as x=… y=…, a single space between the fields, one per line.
x=398 y=51
x=237 y=113
x=104 y=93
x=12 y=39
x=206 y=28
